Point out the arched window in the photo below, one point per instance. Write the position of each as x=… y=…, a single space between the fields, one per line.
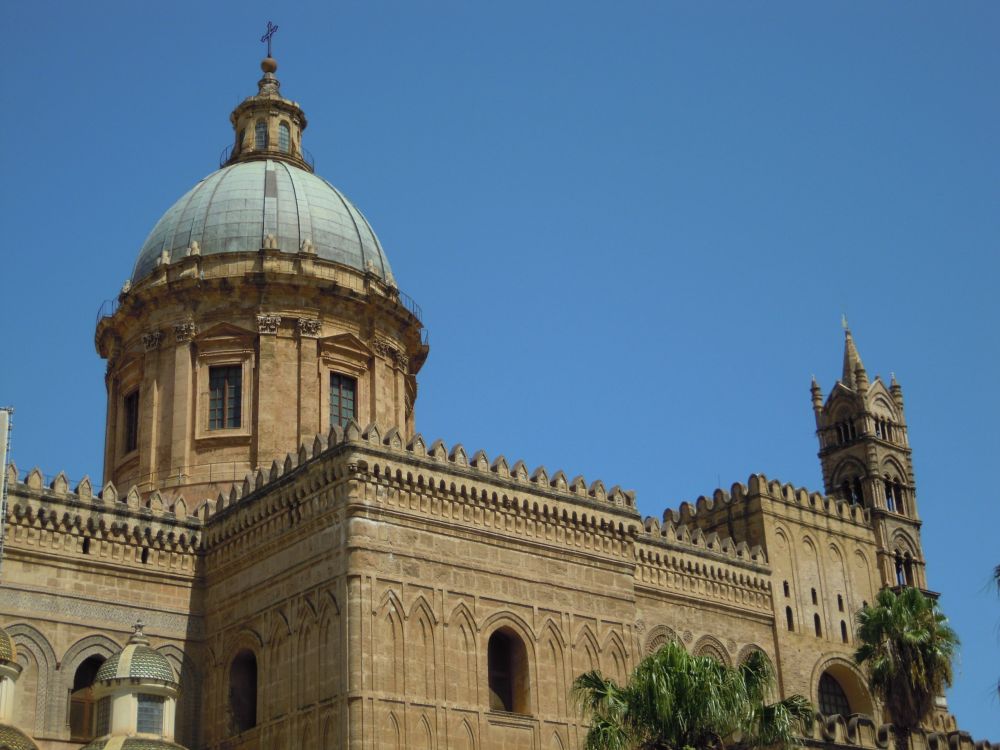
x=81 y=700
x=858 y=497
x=789 y=619
x=787 y=589
x=243 y=692
x=845 y=490
x=508 y=672
x=878 y=428
x=900 y=571
x=851 y=433
x=908 y=569
x=890 y=499
x=260 y=135
x=897 y=492
x=814 y=597
x=843 y=631
x=145 y=555
x=284 y=138
x=832 y=698
x=819 y=629
x=840 y=603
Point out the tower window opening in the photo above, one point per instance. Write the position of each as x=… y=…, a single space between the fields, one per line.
x=343 y=399
x=243 y=692
x=851 y=433
x=81 y=700
x=890 y=498
x=145 y=555
x=908 y=570
x=260 y=135
x=814 y=597
x=86 y=545
x=832 y=698
x=789 y=619
x=284 y=138
x=900 y=571
x=225 y=385
x=508 y=673
x=150 y=716
x=131 y=408
x=843 y=631
x=840 y=602
x=897 y=491
x=878 y=428
x=858 y=495
x=787 y=589
x=819 y=628
x=240 y=141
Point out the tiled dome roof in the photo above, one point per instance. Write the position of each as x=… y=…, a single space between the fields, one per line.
x=132 y=743
x=8 y=651
x=14 y=739
x=236 y=208
x=137 y=661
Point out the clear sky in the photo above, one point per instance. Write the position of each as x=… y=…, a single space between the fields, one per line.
x=633 y=227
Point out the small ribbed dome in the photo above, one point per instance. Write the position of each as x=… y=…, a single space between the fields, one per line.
x=137 y=661
x=236 y=208
x=8 y=651
x=132 y=743
x=15 y=739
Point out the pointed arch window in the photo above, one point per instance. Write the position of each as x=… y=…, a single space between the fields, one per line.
x=819 y=628
x=890 y=497
x=284 y=138
x=508 y=672
x=243 y=692
x=789 y=619
x=260 y=135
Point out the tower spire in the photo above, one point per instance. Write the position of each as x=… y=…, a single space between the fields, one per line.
x=852 y=360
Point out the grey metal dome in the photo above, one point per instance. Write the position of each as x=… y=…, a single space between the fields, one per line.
x=236 y=208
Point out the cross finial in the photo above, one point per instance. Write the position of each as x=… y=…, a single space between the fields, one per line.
x=271 y=28
x=843 y=320
x=137 y=628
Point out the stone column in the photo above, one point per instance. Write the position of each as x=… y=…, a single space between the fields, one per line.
x=149 y=406
x=183 y=399
x=310 y=420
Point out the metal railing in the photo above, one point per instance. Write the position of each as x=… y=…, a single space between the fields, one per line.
x=303 y=155
x=411 y=304
x=107 y=309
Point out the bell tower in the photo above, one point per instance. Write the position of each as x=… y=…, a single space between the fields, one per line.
x=865 y=455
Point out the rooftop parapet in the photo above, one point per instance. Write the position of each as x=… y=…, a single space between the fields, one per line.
x=759 y=487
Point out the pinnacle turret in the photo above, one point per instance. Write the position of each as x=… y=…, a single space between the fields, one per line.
x=852 y=361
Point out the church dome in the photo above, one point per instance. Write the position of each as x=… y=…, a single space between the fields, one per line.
x=132 y=743
x=137 y=661
x=15 y=739
x=8 y=651
x=242 y=206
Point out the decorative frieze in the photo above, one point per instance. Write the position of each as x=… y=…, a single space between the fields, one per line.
x=151 y=340
x=185 y=332
x=309 y=327
x=268 y=324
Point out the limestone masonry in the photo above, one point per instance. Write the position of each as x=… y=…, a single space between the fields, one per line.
x=310 y=573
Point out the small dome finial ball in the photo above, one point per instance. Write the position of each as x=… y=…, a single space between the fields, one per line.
x=269 y=65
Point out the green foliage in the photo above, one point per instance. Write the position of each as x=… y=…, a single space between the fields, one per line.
x=675 y=701
x=907 y=649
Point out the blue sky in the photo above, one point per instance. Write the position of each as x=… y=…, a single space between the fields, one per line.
x=632 y=227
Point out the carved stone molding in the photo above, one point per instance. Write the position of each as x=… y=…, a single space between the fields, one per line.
x=268 y=324
x=383 y=347
x=185 y=331
x=151 y=340
x=308 y=327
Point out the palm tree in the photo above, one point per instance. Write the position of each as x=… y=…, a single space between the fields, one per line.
x=907 y=648
x=675 y=701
